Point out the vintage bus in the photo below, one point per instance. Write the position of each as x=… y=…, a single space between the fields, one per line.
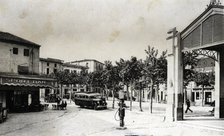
x=90 y=100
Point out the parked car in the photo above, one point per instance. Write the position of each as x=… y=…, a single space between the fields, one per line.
x=90 y=100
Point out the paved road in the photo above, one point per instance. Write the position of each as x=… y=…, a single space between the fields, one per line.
x=86 y=122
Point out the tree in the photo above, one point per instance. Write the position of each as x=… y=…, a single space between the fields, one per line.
x=61 y=78
x=131 y=73
x=96 y=80
x=139 y=86
x=190 y=60
x=161 y=71
x=111 y=78
x=124 y=74
x=154 y=70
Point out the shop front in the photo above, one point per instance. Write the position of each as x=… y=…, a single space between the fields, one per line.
x=22 y=93
x=201 y=98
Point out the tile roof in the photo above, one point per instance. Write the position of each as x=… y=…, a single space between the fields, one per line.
x=85 y=60
x=51 y=60
x=74 y=66
x=10 y=38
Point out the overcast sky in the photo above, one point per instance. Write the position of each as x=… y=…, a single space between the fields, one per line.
x=97 y=29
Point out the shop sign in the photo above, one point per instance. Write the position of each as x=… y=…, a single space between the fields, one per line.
x=29 y=82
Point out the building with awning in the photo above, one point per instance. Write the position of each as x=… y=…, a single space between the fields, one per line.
x=27 y=81
x=20 y=79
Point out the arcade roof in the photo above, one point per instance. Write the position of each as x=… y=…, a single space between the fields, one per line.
x=202 y=14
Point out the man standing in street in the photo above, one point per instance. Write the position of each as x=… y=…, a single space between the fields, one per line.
x=188 y=106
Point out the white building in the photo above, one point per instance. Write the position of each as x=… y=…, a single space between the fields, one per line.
x=93 y=65
x=47 y=66
x=69 y=89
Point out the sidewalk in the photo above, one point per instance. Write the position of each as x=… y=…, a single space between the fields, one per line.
x=209 y=123
x=201 y=121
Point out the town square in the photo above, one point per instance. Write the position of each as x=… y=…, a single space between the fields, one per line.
x=112 y=68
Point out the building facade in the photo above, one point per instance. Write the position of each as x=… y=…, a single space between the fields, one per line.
x=68 y=89
x=93 y=65
x=19 y=73
x=48 y=66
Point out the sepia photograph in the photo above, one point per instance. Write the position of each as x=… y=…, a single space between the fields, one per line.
x=111 y=67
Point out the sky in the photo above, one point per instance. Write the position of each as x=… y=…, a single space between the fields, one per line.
x=97 y=29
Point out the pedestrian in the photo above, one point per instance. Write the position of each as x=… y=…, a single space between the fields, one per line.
x=65 y=104
x=188 y=106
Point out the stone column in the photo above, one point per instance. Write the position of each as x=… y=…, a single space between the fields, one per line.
x=174 y=110
x=219 y=85
x=178 y=79
x=170 y=89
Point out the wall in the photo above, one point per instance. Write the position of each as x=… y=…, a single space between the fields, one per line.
x=72 y=69
x=43 y=67
x=9 y=61
x=92 y=64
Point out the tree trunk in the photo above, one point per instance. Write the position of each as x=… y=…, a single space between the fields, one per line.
x=61 y=92
x=128 y=95
x=157 y=94
x=140 y=99
x=131 y=97
x=202 y=100
x=70 y=95
x=106 y=92
x=151 y=102
x=113 y=98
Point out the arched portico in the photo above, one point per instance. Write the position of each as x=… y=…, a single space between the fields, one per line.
x=206 y=32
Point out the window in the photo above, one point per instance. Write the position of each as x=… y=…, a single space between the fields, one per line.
x=48 y=64
x=48 y=71
x=81 y=90
x=66 y=91
x=26 y=52
x=75 y=90
x=15 y=50
x=55 y=65
x=55 y=70
x=197 y=96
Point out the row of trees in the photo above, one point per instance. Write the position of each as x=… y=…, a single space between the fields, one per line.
x=135 y=74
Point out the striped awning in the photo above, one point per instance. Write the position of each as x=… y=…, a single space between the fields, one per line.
x=27 y=81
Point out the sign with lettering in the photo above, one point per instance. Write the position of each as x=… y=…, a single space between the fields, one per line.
x=27 y=82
